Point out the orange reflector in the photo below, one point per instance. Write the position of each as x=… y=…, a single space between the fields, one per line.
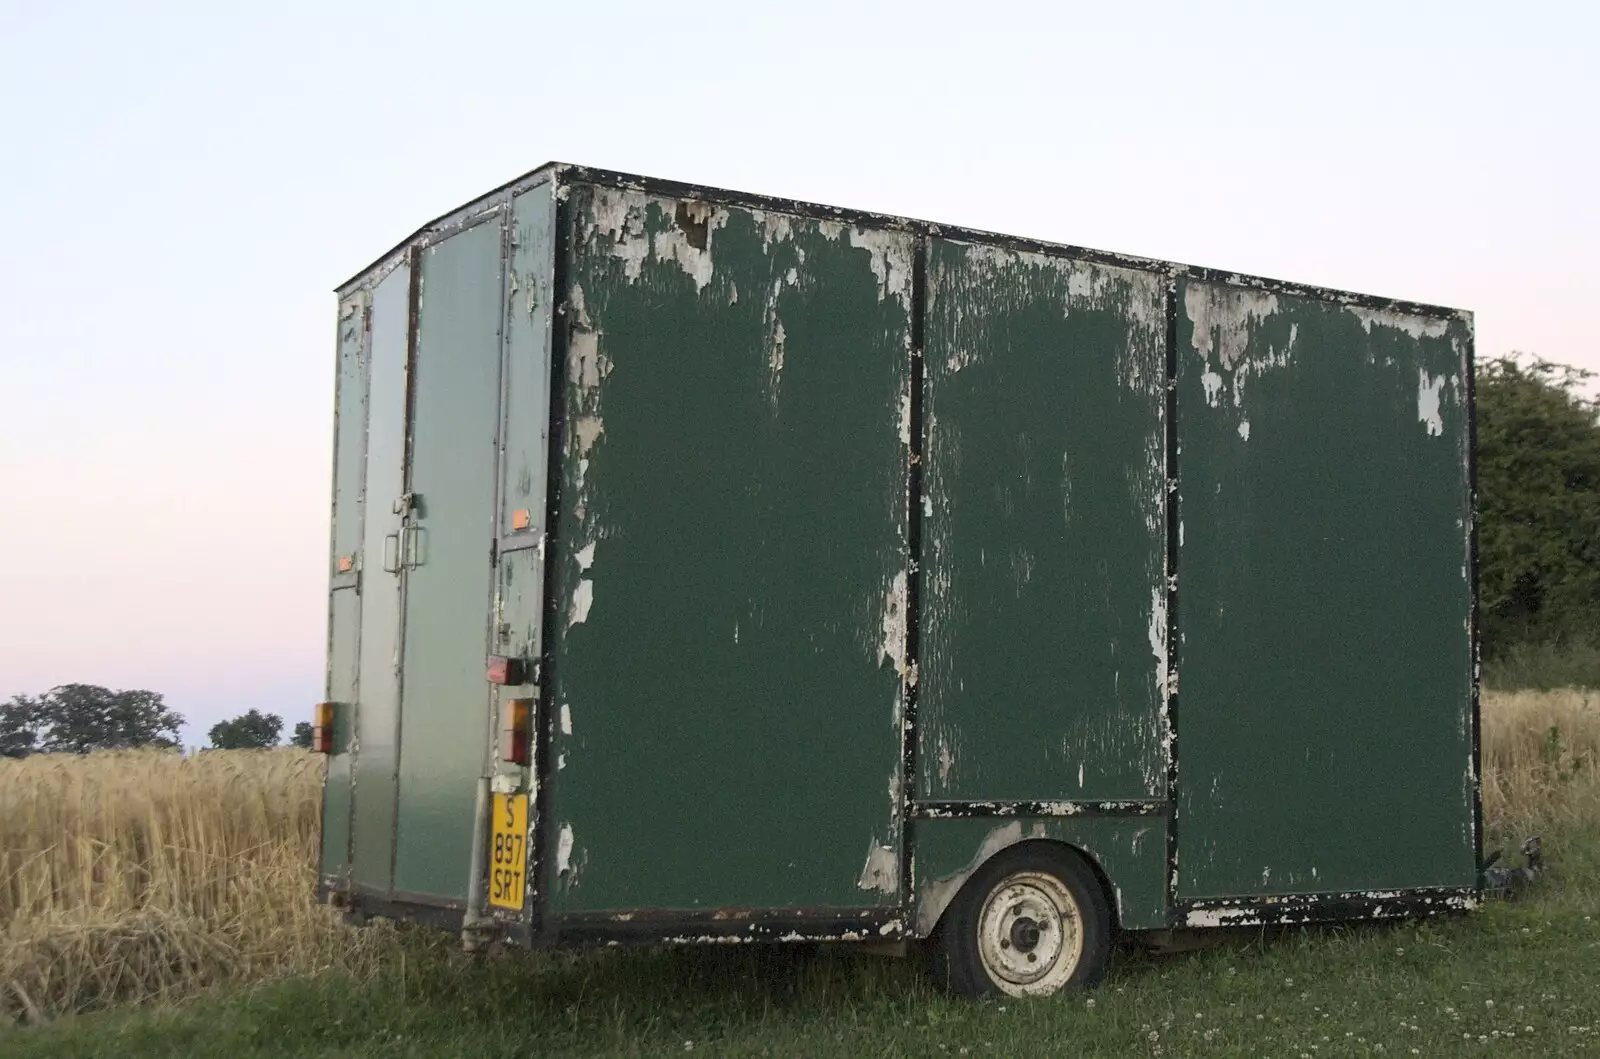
x=521 y=519
x=516 y=725
x=322 y=728
x=503 y=670
x=346 y=563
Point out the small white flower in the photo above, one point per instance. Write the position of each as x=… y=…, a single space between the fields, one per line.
x=1089 y=1003
x=1488 y=1003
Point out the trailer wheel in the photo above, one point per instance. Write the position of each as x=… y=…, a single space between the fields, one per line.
x=1030 y=922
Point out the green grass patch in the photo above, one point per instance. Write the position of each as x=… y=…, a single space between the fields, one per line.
x=1519 y=978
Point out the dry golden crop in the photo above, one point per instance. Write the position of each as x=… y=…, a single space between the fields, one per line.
x=142 y=874
x=145 y=874
x=1541 y=759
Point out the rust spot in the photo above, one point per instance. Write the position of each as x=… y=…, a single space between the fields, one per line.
x=694 y=220
x=346 y=563
x=521 y=519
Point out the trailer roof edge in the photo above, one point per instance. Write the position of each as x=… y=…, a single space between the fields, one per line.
x=801 y=207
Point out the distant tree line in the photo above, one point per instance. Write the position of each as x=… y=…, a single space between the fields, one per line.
x=78 y=718
x=1538 y=565
x=1538 y=505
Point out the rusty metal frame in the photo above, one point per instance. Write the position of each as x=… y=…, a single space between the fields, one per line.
x=909 y=695
x=1046 y=810
x=1475 y=634
x=1172 y=502
x=537 y=920
x=1324 y=907
x=727 y=925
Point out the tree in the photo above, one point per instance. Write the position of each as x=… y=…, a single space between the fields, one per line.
x=302 y=735
x=19 y=726
x=249 y=731
x=83 y=717
x=1539 y=503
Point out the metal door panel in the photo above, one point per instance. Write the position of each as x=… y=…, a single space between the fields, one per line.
x=344 y=605
x=445 y=699
x=377 y=711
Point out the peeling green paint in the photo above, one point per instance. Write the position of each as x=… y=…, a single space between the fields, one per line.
x=729 y=557
x=1044 y=533
x=1325 y=730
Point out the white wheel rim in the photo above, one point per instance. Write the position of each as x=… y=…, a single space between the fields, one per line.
x=1030 y=934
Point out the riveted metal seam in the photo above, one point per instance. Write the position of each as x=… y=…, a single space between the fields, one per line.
x=910 y=683
x=1172 y=498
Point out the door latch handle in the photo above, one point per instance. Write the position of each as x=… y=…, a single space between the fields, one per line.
x=391 y=554
x=414 y=551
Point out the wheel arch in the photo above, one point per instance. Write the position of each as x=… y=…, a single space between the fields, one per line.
x=935 y=896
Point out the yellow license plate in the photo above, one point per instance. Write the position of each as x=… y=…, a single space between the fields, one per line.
x=508 y=851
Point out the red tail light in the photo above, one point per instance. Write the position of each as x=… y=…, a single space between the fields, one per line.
x=516 y=729
x=322 y=728
x=503 y=670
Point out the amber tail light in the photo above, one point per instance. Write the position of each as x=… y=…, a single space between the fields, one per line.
x=516 y=729
x=322 y=728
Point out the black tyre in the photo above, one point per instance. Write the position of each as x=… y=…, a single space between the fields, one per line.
x=1030 y=922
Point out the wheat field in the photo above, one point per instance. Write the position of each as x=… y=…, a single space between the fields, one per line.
x=146 y=875
x=137 y=875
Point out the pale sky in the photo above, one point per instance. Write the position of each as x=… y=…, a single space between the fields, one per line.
x=182 y=189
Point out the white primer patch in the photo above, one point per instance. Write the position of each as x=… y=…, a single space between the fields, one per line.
x=673 y=243
x=1410 y=323
x=1212 y=382
x=564 y=850
x=1223 y=318
x=566 y=719
x=582 y=600
x=587 y=430
x=585 y=557
x=1244 y=429
x=1429 y=391
x=1158 y=633
x=893 y=647
x=584 y=364
x=890 y=260
x=882 y=870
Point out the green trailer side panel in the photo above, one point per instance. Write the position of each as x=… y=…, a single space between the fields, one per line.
x=444 y=741
x=350 y=440
x=1325 y=726
x=377 y=708
x=344 y=602
x=1131 y=853
x=525 y=467
x=344 y=617
x=731 y=564
x=1043 y=635
x=527 y=396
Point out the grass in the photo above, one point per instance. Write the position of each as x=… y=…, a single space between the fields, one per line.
x=1521 y=978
